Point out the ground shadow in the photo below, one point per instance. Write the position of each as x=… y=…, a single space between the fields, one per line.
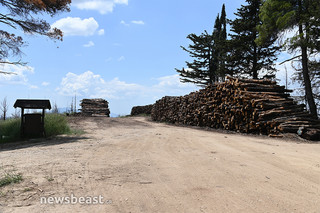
x=40 y=142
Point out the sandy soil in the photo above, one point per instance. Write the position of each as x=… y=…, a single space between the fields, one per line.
x=141 y=166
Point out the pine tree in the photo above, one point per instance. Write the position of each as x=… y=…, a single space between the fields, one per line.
x=246 y=57
x=200 y=71
x=209 y=52
x=314 y=67
x=302 y=16
x=21 y=15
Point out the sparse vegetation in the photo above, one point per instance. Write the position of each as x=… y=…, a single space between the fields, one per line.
x=10 y=130
x=50 y=179
x=9 y=178
x=55 y=124
x=143 y=115
x=27 y=189
x=77 y=132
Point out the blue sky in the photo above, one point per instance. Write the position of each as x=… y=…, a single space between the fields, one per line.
x=124 y=51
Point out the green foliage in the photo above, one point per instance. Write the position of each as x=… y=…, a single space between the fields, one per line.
x=314 y=67
x=208 y=51
x=22 y=15
x=10 y=130
x=219 y=44
x=56 y=124
x=246 y=58
x=9 y=179
x=280 y=15
x=200 y=70
x=302 y=16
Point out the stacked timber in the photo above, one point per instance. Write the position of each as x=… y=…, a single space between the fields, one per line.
x=244 y=105
x=138 y=110
x=95 y=107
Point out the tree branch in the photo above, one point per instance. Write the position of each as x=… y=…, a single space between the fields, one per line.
x=7 y=73
x=290 y=59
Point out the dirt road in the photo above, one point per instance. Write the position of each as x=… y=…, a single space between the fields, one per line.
x=134 y=165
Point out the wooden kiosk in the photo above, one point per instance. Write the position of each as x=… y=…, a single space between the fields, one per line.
x=32 y=125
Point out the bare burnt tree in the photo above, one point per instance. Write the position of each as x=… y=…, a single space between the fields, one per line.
x=4 y=108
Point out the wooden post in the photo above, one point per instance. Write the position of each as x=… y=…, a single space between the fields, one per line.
x=22 y=123
x=42 y=123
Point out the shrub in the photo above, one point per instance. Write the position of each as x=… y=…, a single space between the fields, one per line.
x=10 y=130
x=56 y=124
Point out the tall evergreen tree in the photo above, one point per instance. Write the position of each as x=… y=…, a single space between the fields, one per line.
x=208 y=51
x=246 y=57
x=302 y=16
x=200 y=71
x=219 y=42
x=314 y=67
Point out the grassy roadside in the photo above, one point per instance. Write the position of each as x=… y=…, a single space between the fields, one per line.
x=55 y=124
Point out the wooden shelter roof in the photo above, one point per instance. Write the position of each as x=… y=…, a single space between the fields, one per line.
x=32 y=104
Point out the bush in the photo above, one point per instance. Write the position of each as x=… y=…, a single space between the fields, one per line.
x=10 y=130
x=54 y=124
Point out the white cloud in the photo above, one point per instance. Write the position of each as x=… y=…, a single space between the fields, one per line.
x=138 y=22
x=109 y=59
x=103 y=6
x=121 y=58
x=124 y=23
x=132 y=22
x=91 y=85
x=88 y=84
x=19 y=75
x=171 y=81
x=101 y=32
x=121 y=95
x=89 y=44
x=33 y=87
x=171 y=85
x=75 y=26
x=45 y=84
x=121 y=2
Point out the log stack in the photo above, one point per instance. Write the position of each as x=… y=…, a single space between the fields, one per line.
x=95 y=107
x=244 y=105
x=138 y=110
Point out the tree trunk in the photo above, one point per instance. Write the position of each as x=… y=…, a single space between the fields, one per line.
x=306 y=77
x=254 y=65
x=255 y=50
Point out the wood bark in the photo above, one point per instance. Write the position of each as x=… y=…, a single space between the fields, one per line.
x=229 y=105
x=95 y=107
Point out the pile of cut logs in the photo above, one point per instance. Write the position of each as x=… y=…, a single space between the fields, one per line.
x=95 y=107
x=244 y=105
x=138 y=110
